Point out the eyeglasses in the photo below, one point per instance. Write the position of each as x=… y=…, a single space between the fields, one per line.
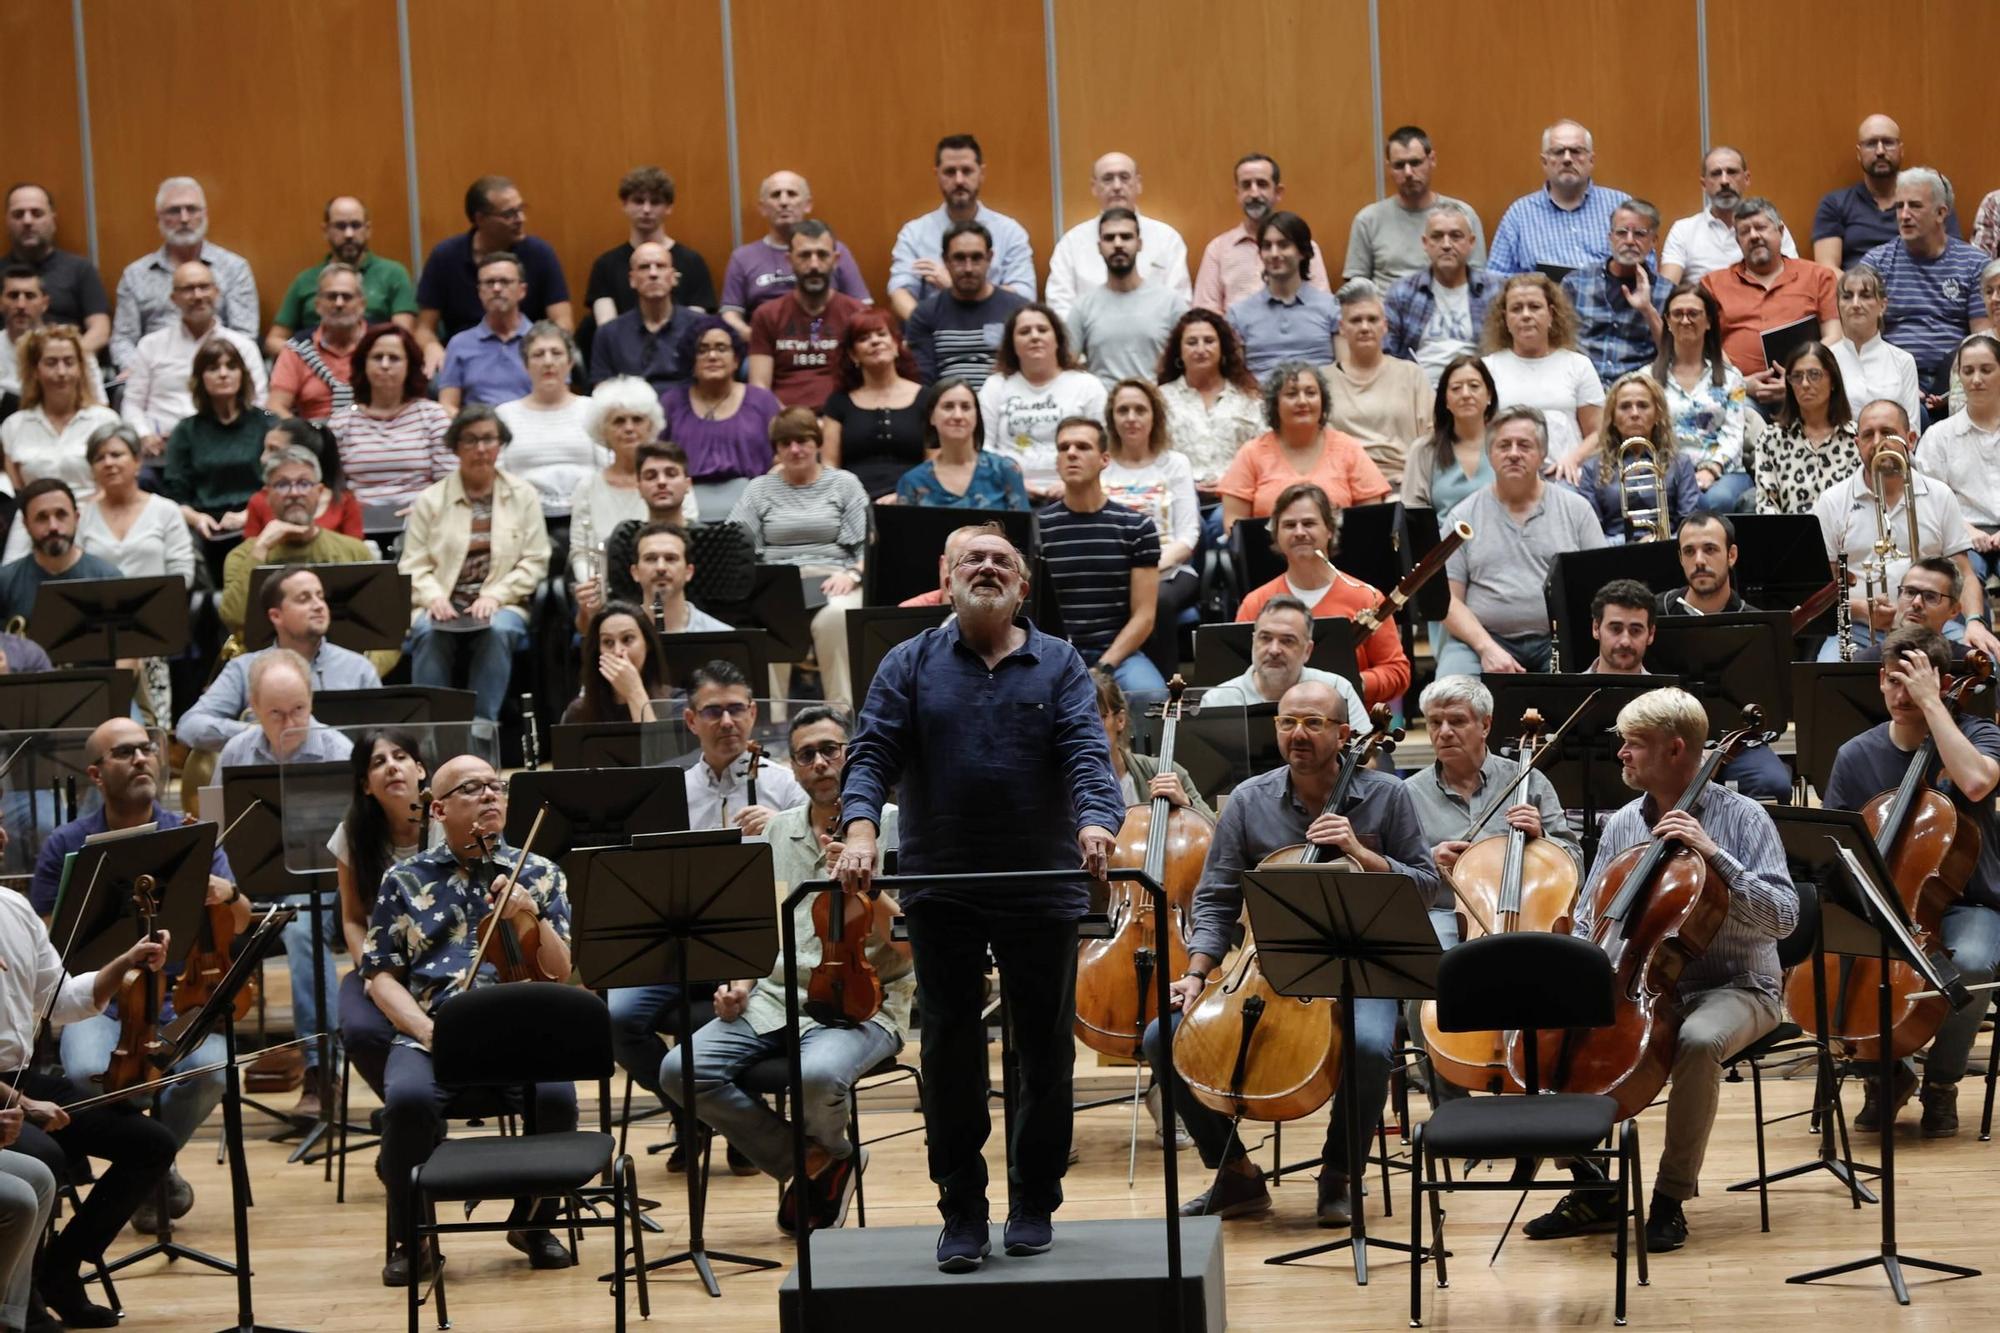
x=983 y=559
x=1925 y=596
x=292 y=487
x=1311 y=723
x=1686 y=316
x=477 y=787
x=1807 y=377
x=1631 y=233
x=808 y=755
x=496 y=284
x=479 y=441
x=716 y=712
x=514 y=214
x=131 y=750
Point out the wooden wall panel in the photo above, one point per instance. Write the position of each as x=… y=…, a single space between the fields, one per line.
x=565 y=100
x=1127 y=85
x=1485 y=79
x=1927 y=69
x=46 y=146
x=273 y=107
x=857 y=107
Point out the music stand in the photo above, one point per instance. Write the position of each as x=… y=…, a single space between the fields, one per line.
x=1224 y=745
x=595 y=745
x=1728 y=661
x=104 y=620
x=1586 y=771
x=1223 y=652
x=73 y=697
x=750 y=651
x=593 y=807
x=1863 y=917
x=873 y=630
x=681 y=909
x=909 y=539
x=777 y=603
x=392 y=705
x=1337 y=933
x=1575 y=577
x=368 y=602
x=1781 y=561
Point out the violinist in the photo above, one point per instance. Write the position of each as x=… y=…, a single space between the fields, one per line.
x=1968 y=750
x=386 y=824
x=1730 y=995
x=1380 y=830
x=749 y=1021
x=124 y=766
x=1928 y=598
x=420 y=938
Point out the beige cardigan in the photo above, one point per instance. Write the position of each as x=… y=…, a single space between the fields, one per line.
x=440 y=528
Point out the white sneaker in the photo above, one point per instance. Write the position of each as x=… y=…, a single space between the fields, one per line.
x=1181 y=1139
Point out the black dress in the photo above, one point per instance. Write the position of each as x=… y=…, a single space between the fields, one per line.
x=877 y=444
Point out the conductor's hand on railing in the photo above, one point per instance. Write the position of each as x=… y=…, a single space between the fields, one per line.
x=854 y=866
x=1096 y=844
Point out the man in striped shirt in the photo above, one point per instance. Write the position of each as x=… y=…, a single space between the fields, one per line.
x=1103 y=561
x=956 y=331
x=1728 y=997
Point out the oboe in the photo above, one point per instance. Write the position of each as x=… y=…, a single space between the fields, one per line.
x=1843 y=613
x=1555 y=648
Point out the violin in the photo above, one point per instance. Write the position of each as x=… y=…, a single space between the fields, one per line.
x=512 y=945
x=844 y=989
x=214 y=949
x=1247 y=1051
x=1931 y=848
x=142 y=992
x=1114 y=975
x=1509 y=882
x=1657 y=908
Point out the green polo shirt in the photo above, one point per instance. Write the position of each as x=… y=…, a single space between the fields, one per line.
x=385 y=287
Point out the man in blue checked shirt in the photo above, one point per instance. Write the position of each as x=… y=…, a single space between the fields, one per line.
x=1563 y=223
x=1621 y=304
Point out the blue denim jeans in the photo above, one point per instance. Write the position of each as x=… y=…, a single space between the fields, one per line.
x=86 y=1050
x=639 y=1014
x=434 y=653
x=309 y=1010
x=1461 y=659
x=1724 y=493
x=1972 y=933
x=1137 y=672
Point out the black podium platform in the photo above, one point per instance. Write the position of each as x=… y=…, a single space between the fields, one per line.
x=1105 y=1274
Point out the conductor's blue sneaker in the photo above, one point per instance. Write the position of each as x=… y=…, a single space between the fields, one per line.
x=963 y=1245
x=1029 y=1230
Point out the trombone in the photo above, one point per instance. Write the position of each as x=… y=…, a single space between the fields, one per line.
x=1639 y=467
x=1891 y=458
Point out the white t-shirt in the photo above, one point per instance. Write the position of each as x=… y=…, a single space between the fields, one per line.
x=1021 y=419
x=1162 y=490
x=551 y=450
x=1448 y=332
x=1558 y=384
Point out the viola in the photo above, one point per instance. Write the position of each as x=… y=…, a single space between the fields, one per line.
x=142 y=992
x=1657 y=908
x=1115 y=975
x=214 y=949
x=512 y=945
x=843 y=989
x=1244 y=1049
x=1931 y=848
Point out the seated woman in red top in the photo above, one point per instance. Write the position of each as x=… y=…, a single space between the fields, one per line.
x=1299 y=446
x=339 y=507
x=1305 y=526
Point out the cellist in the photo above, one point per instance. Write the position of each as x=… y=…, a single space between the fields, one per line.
x=1728 y=997
x=1914 y=661
x=420 y=938
x=1281 y=808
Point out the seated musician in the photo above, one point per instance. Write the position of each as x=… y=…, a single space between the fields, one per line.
x=386 y=824
x=749 y=1021
x=1139 y=775
x=420 y=940
x=124 y=765
x=1928 y=597
x=1621 y=621
x=1281 y=808
x=1853 y=521
x=658 y=576
x=1281 y=641
x=1305 y=530
x=661 y=467
x=1968 y=747
x=1730 y=995
x=1706 y=544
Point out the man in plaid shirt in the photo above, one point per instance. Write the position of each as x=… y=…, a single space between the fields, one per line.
x=1621 y=304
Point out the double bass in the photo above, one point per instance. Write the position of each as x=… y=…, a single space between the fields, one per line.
x=1244 y=1049
x=1114 y=975
x=1931 y=848
x=1658 y=907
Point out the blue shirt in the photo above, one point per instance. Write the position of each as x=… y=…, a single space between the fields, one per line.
x=71 y=837
x=1871 y=763
x=1852 y=215
x=999 y=769
x=1535 y=231
x=218 y=714
x=996 y=484
x=1609 y=331
x=1607 y=497
x=1300 y=329
x=1013 y=265
x=320 y=745
x=486 y=366
x=626 y=346
x=450 y=283
x=1408 y=303
x=427 y=917
x=1932 y=302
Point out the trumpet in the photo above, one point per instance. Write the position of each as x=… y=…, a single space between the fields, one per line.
x=1639 y=467
x=1891 y=459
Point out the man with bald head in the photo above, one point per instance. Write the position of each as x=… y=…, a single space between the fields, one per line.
x=1078 y=265
x=1380 y=828
x=1855 y=219
x=425 y=926
x=1564 y=224
x=388 y=294
x=159 y=365
x=646 y=340
x=762 y=269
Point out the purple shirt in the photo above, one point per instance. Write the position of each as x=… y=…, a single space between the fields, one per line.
x=738 y=446
x=486 y=366
x=759 y=271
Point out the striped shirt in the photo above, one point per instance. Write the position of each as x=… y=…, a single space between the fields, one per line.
x=1763 y=905
x=1932 y=302
x=1090 y=557
x=824 y=522
x=387 y=462
x=1536 y=230
x=953 y=337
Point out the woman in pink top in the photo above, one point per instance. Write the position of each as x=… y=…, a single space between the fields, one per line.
x=1299 y=446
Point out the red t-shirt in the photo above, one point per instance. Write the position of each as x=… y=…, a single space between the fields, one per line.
x=804 y=349
x=1385 y=671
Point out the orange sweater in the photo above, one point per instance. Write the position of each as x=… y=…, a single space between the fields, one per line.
x=1385 y=671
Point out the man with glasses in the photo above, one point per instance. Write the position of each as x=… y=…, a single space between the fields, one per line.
x=1928 y=597
x=159 y=367
x=1386 y=242
x=451 y=295
x=1563 y=224
x=421 y=937
x=956 y=331
x=387 y=293
x=1437 y=312
x=145 y=287
x=1764 y=291
x=1621 y=303
x=1378 y=827
x=749 y=1021
x=483 y=364
x=314 y=374
x=1855 y=219
x=1703 y=242
x=292 y=537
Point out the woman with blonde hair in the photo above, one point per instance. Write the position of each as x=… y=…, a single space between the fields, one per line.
x=1639 y=411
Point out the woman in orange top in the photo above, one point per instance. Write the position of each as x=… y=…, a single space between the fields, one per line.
x=1299 y=446
x=1305 y=526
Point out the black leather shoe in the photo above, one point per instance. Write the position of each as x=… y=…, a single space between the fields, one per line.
x=1666 y=1225
x=62 y=1291
x=1232 y=1195
x=541 y=1247
x=396 y=1273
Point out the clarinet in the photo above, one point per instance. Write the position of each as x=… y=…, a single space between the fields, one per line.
x=1555 y=649
x=531 y=740
x=1843 y=613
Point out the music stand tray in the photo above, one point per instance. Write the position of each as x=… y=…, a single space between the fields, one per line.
x=369 y=605
x=104 y=620
x=72 y=697
x=393 y=705
x=1728 y=661
x=596 y=744
x=94 y=906
x=593 y=807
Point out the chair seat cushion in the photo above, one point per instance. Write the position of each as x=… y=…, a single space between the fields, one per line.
x=516 y=1166
x=1519 y=1126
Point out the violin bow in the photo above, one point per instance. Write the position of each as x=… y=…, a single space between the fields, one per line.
x=487 y=926
x=1500 y=798
x=181 y=1075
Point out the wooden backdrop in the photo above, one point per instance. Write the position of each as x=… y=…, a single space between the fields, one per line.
x=275 y=105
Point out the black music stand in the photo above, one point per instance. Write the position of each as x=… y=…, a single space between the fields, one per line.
x=593 y=807
x=778 y=604
x=873 y=630
x=1222 y=652
x=368 y=602
x=1780 y=562
x=73 y=697
x=1863 y=917
x=595 y=745
x=104 y=620
x=393 y=705
x=1224 y=745
x=750 y=651
x=1729 y=661
x=1575 y=577
x=681 y=909
x=909 y=539
x=1585 y=772
x=1337 y=933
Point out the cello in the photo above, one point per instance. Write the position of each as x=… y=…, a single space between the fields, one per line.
x=1931 y=848
x=1114 y=974
x=1244 y=1049
x=1657 y=908
x=1521 y=883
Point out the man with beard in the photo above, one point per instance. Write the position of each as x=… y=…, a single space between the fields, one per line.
x=795 y=339
x=451 y=297
x=1855 y=219
x=1621 y=304
x=1041 y=798
x=1436 y=313
x=1703 y=242
x=314 y=374
x=1121 y=325
x=1385 y=243
x=144 y=289
x=1707 y=546
x=961 y=174
x=387 y=293
x=1078 y=263
x=291 y=484
x=955 y=332
x=1765 y=290
x=1281 y=639
x=1232 y=264
x=75 y=292
x=1563 y=224
x=660 y=572
x=646 y=340
x=760 y=270
x=48 y=511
